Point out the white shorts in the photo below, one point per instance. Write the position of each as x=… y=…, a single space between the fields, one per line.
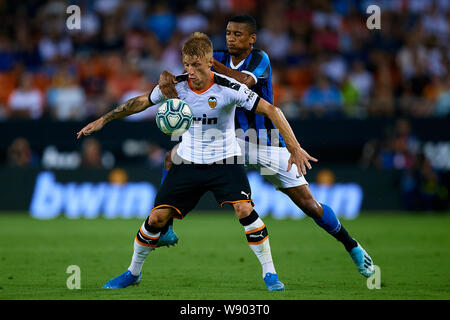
x=272 y=163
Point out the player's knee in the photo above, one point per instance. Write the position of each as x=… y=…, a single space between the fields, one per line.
x=242 y=209
x=157 y=219
x=304 y=199
x=311 y=207
x=168 y=160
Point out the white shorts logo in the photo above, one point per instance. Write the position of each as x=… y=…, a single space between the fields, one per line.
x=246 y=194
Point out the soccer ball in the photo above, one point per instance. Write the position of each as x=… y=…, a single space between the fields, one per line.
x=174 y=117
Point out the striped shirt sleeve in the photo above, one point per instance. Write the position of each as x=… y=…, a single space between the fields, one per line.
x=259 y=65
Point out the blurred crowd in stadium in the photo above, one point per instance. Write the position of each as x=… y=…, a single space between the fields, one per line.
x=325 y=62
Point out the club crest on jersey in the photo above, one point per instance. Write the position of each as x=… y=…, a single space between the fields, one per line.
x=212 y=101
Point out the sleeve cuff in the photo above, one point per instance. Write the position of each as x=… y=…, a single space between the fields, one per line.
x=251 y=74
x=255 y=104
x=150 y=96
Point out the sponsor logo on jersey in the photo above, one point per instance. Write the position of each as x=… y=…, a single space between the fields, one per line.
x=212 y=101
x=206 y=119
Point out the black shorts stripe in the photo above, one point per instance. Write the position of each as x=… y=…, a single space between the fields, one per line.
x=150 y=94
x=256 y=104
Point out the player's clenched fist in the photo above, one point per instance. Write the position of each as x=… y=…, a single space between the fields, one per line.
x=91 y=127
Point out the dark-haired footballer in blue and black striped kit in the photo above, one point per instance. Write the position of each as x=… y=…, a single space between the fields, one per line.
x=252 y=67
x=268 y=142
x=257 y=65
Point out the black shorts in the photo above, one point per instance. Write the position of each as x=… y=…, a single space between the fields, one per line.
x=185 y=184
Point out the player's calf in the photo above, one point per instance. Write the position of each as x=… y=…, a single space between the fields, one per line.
x=325 y=218
x=322 y=214
x=330 y=223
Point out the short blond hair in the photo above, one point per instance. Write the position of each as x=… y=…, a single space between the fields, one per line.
x=198 y=45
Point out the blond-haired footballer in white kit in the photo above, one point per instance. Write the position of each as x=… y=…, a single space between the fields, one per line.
x=205 y=171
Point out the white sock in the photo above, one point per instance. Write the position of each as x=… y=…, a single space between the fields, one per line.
x=144 y=243
x=261 y=247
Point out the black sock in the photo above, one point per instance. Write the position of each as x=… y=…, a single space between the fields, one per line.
x=343 y=236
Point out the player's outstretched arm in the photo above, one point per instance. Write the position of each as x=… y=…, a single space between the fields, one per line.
x=241 y=77
x=134 y=105
x=298 y=155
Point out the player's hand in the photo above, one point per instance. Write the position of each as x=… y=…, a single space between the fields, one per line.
x=167 y=85
x=91 y=127
x=301 y=159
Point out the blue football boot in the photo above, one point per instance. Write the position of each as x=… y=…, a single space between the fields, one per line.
x=272 y=282
x=167 y=239
x=126 y=279
x=362 y=260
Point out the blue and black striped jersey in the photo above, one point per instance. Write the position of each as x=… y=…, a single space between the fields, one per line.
x=256 y=64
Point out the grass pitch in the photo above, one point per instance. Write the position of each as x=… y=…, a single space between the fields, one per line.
x=214 y=261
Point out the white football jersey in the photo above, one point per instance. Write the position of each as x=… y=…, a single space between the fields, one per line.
x=211 y=136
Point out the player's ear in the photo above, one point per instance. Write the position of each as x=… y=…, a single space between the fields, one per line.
x=211 y=61
x=252 y=38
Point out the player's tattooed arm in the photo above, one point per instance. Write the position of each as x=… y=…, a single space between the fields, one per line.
x=134 y=105
x=299 y=156
x=241 y=77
